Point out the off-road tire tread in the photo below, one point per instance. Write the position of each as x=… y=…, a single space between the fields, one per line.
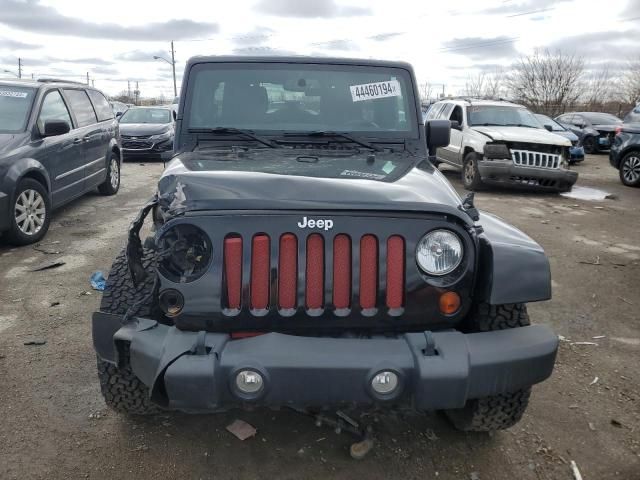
x=121 y=389
x=496 y=412
x=500 y=317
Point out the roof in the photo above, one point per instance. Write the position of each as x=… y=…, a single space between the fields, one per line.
x=28 y=82
x=298 y=59
x=479 y=101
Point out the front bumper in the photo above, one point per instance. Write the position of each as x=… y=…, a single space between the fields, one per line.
x=163 y=149
x=195 y=371
x=576 y=154
x=505 y=172
x=4 y=212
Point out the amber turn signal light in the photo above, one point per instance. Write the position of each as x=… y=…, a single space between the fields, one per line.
x=449 y=303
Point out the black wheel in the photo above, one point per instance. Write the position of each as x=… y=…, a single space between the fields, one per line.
x=496 y=412
x=30 y=213
x=589 y=144
x=629 y=169
x=121 y=389
x=470 y=174
x=112 y=183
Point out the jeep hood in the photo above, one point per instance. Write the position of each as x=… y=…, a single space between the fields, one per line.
x=295 y=179
x=522 y=134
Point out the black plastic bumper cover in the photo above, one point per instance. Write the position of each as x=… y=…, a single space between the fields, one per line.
x=196 y=370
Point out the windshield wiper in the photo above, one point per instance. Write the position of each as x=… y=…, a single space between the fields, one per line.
x=520 y=125
x=234 y=131
x=346 y=136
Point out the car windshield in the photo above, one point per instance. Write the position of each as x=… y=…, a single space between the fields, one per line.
x=544 y=120
x=15 y=104
x=601 y=118
x=302 y=98
x=146 y=115
x=501 y=115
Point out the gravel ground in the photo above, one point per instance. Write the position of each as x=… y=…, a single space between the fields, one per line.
x=54 y=423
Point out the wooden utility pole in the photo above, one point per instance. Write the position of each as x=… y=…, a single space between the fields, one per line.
x=173 y=65
x=20 y=68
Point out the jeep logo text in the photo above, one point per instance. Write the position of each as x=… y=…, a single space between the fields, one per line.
x=322 y=224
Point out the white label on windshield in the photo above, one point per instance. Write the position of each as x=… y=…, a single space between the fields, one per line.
x=9 y=93
x=371 y=91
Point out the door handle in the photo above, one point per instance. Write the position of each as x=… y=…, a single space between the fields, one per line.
x=77 y=141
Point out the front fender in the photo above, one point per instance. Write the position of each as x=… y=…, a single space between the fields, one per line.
x=513 y=267
x=19 y=169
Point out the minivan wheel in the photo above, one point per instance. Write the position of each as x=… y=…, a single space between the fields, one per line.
x=630 y=169
x=31 y=213
x=111 y=185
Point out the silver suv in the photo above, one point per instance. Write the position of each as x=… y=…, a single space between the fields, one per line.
x=502 y=143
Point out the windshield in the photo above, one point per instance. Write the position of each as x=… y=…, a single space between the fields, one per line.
x=501 y=115
x=302 y=98
x=15 y=104
x=544 y=120
x=146 y=115
x=601 y=118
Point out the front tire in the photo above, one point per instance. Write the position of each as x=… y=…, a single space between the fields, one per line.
x=121 y=389
x=589 y=144
x=111 y=185
x=470 y=173
x=629 y=169
x=495 y=412
x=30 y=214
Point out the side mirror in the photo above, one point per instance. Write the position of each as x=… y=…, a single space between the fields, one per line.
x=175 y=115
x=549 y=128
x=119 y=114
x=438 y=133
x=53 y=128
x=455 y=125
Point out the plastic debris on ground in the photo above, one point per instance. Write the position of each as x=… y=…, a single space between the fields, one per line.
x=98 y=281
x=241 y=429
x=586 y=193
x=576 y=472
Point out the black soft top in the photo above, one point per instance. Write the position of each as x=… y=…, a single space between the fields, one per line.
x=302 y=59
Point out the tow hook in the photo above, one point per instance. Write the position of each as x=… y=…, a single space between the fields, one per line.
x=430 y=348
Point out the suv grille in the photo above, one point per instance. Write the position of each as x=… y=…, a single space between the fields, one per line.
x=303 y=269
x=528 y=158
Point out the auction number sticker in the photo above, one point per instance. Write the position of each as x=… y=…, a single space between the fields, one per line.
x=9 y=93
x=370 y=91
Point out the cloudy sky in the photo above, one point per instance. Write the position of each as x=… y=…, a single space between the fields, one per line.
x=115 y=41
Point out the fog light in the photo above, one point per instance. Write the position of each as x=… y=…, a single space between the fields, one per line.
x=384 y=383
x=249 y=381
x=449 y=303
x=171 y=302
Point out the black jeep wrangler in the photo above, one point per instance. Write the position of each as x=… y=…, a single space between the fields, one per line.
x=307 y=254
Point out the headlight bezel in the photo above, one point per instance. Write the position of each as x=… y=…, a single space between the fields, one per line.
x=180 y=237
x=161 y=136
x=496 y=151
x=450 y=271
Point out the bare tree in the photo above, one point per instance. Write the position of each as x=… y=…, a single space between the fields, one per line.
x=485 y=85
x=547 y=82
x=597 y=89
x=630 y=83
x=426 y=91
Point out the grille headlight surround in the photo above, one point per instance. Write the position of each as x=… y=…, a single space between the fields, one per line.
x=439 y=252
x=496 y=151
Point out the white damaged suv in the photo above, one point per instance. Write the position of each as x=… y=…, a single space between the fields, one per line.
x=495 y=142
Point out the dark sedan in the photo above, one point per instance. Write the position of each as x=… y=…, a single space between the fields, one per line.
x=595 y=130
x=576 y=151
x=147 y=132
x=625 y=154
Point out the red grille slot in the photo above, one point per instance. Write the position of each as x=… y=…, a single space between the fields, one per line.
x=288 y=271
x=260 y=272
x=341 y=271
x=368 y=271
x=395 y=271
x=233 y=270
x=315 y=271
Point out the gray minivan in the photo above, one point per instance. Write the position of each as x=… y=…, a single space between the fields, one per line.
x=58 y=141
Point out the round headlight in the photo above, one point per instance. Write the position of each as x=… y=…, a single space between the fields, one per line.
x=439 y=252
x=185 y=253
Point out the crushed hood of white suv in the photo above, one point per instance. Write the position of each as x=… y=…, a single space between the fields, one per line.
x=522 y=134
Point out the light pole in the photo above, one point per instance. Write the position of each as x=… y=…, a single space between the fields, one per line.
x=171 y=62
